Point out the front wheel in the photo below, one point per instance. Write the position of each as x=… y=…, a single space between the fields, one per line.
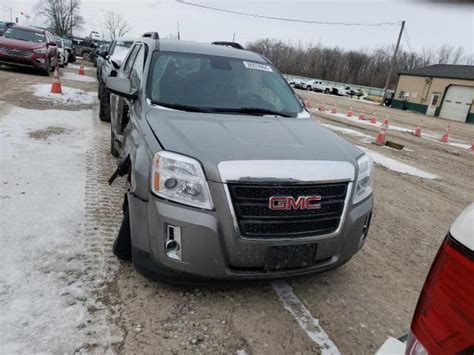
x=122 y=248
x=45 y=71
x=86 y=56
x=327 y=91
x=104 y=106
x=113 y=150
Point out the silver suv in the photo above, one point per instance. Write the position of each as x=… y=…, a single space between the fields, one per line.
x=230 y=176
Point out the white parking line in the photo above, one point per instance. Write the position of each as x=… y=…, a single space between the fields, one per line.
x=303 y=316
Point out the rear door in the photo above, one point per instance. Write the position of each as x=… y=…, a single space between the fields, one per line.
x=457 y=103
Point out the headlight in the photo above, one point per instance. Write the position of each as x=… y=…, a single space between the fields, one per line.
x=181 y=179
x=40 y=50
x=363 y=185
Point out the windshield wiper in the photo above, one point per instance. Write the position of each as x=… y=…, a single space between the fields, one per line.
x=252 y=111
x=182 y=107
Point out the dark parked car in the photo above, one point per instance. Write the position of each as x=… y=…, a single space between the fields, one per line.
x=95 y=55
x=230 y=176
x=112 y=58
x=84 y=47
x=29 y=47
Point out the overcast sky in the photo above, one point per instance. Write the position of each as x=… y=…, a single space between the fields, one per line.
x=427 y=24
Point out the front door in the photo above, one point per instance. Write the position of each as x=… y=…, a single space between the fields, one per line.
x=433 y=104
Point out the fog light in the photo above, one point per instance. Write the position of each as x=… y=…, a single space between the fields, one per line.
x=173 y=246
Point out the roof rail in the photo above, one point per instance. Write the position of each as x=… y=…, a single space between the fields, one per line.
x=152 y=35
x=229 y=44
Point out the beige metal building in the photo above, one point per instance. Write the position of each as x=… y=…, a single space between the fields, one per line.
x=439 y=90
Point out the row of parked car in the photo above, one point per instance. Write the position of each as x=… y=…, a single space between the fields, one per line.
x=38 y=48
x=321 y=86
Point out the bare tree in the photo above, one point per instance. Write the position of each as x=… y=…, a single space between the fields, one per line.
x=63 y=16
x=361 y=67
x=115 y=25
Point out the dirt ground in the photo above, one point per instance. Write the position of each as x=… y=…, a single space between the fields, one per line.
x=358 y=305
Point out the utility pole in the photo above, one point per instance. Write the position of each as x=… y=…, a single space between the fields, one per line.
x=394 y=59
x=233 y=37
x=177 y=23
x=11 y=12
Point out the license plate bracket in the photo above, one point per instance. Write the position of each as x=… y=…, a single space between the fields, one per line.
x=290 y=256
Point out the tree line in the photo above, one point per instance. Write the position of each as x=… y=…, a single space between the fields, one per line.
x=360 y=67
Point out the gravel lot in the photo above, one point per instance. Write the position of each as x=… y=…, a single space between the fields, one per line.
x=358 y=305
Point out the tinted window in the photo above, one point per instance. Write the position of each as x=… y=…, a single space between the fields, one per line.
x=218 y=82
x=24 y=35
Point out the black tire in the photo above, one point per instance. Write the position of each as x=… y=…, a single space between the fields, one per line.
x=122 y=248
x=309 y=88
x=104 y=106
x=327 y=91
x=99 y=90
x=86 y=56
x=113 y=149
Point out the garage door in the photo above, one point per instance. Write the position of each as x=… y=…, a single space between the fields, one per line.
x=457 y=102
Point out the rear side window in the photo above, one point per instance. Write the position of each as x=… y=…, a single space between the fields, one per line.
x=136 y=74
x=131 y=58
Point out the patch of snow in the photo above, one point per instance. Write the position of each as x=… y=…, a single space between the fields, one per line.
x=303 y=316
x=76 y=67
x=42 y=187
x=352 y=132
x=76 y=77
x=70 y=95
x=428 y=136
x=396 y=165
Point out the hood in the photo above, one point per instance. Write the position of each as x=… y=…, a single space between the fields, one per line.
x=17 y=44
x=215 y=138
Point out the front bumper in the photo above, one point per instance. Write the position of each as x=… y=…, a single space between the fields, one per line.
x=213 y=249
x=37 y=60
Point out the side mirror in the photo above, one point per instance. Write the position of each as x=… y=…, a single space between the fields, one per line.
x=103 y=53
x=121 y=87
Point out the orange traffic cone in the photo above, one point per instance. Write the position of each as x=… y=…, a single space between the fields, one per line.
x=81 y=68
x=56 y=85
x=373 y=120
x=349 y=114
x=472 y=146
x=334 y=109
x=361 y=117
x=322 y=107
x=307 y=103
x=418 y=129
x=380 y=139
x=385 y=122
x=445 y=137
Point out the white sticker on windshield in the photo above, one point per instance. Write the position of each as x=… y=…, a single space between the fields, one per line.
x=257 y=66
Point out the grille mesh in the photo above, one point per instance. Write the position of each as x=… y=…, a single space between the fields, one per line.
x=257 y=220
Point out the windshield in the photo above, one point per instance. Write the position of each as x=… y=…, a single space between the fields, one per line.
x=121 y=49
x=24 y=35
x=218 y=84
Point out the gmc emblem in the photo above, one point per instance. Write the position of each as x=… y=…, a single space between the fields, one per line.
x=282 y=203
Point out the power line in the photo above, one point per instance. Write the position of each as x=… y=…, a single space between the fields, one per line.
x=407 y=39
x=370 y=24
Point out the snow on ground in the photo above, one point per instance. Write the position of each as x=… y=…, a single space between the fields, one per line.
x=42 y=184
x=70 y=95
x=351 y=132
x=396 y=165
x=76 y=67
x=76 y=77
x=428 y=136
